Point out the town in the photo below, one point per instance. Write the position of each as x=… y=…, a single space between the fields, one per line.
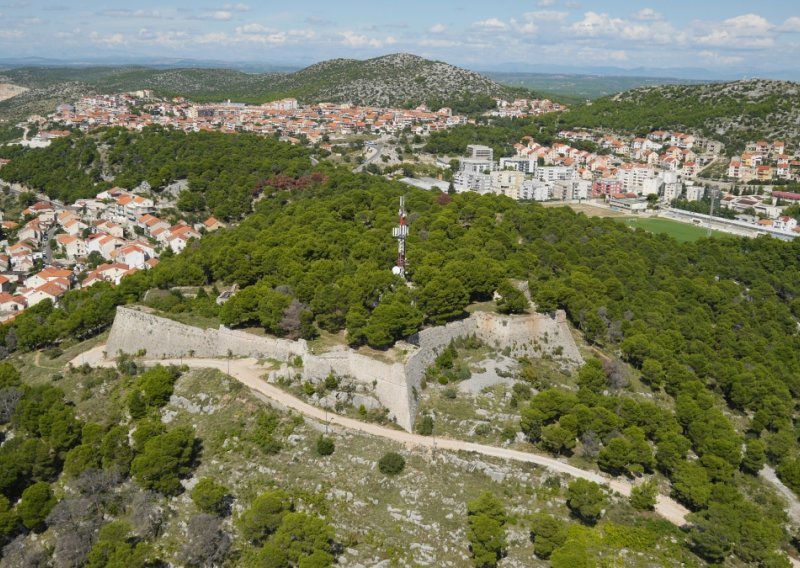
x=286 y=117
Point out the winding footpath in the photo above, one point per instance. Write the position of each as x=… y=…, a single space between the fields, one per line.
x=249 y=373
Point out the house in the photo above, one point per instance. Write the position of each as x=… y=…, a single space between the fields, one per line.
x=75 y=227
x=110 y=229
x=131 y=255
x=5 y=262
x=111 y=272
x=49 y=274
x=764 y=173
x=32 y=231
x=103 y=244
x=151 y=223
x=212 y=224
x=9 y=303
x=785 y=223
x=52 y=291
x=72 y=246
x=5 y=283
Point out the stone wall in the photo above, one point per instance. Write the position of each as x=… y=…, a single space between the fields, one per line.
x=396 y=385
x=136 y=329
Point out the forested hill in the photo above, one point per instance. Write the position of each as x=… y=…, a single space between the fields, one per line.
x=710 y=328
x=734 y=113
x=391 y=80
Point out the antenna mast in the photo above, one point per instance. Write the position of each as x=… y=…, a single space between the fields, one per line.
x=400 y=232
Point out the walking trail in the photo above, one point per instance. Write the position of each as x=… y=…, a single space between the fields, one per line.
x=249 y=373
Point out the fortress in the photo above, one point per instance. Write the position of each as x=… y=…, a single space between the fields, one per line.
x=395 y=385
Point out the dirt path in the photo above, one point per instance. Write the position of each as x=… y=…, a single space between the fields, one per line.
x=248 y=372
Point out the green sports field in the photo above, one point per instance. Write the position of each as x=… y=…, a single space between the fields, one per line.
x=682 y=232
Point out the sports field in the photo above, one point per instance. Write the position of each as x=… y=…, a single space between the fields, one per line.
x=682 y=232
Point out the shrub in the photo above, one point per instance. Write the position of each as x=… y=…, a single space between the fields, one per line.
x=325 y=446
x=425 y=426
x=643 y=496
x=391 y=463
x=210 y=497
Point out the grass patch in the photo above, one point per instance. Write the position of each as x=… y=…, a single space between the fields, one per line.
x=681 y=232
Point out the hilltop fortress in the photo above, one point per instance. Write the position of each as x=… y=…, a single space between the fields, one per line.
x=395 y=385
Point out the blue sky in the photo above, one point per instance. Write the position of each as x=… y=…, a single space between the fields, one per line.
x=726 y=36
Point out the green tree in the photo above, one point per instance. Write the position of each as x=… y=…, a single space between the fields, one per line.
x=211 y=497
x=486 y=531
x=643 y=496
x=305 y=539
x=755 y=456
x=9 y=520
x=391 y=463
x=116 y=547
x=443 y=299
x=548 y=533
x=586 y=500
x=425 y=426
x=512 y=300
x=325 y=446
x=165 y=459
x=265 y=515
x=37 y=501
x=691 y=484
x=9 y=376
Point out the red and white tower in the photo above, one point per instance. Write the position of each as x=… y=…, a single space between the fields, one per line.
x=401 y=234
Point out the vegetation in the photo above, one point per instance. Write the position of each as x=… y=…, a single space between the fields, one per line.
x=224 y=172
x=486 y=519
x=390 y=80
x=391 y=463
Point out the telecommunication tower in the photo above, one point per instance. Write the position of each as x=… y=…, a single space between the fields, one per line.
x=400 y=232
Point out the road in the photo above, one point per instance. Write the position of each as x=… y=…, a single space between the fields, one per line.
x=374 y=153
x=248 y=372
x=47 y=251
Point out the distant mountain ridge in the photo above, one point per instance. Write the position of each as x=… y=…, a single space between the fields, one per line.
x=391 y=80
x=734 y=112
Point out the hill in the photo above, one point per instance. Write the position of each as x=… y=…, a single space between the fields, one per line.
x=398 y=79
x=579 y=87
x=733 y=112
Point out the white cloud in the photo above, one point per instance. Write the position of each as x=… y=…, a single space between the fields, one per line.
x=491 y=24
x=746 y=31
x=545 y=3
x=352 y=39
x=597 y=25
x=438 y=28
x=221 y=15
x=112 y=40
x=214 y=37
x=33 y=21
x=648 y=14
x=252 y=29
x=791 y=25
x=11 y=34
x=546 y=16
x=256 y=33
x=240 y=7
x=438 y=42
x=715 y=58
x=144 y=14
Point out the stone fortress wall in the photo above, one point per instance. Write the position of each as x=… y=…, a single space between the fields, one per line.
x=396 y=385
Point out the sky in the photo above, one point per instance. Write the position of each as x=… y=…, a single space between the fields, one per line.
x=720 y=35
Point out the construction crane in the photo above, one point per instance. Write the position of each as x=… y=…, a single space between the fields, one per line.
x=400 y=232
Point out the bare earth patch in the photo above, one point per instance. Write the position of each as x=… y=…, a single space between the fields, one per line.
x=7 y=90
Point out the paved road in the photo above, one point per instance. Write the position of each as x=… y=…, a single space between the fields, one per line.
x=248 y=372
x=378 y=150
